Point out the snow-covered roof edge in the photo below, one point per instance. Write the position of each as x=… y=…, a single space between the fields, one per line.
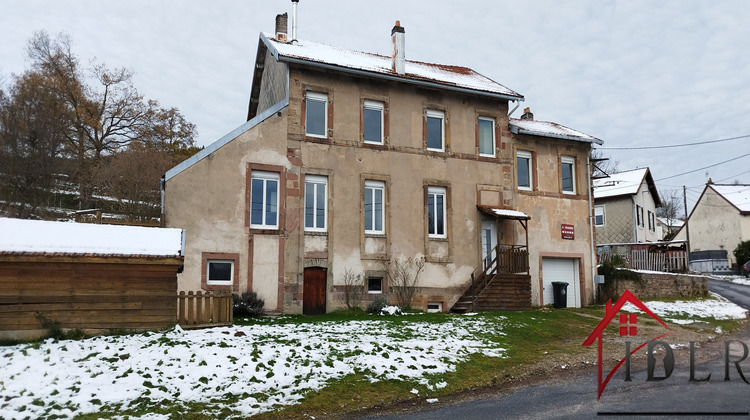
x=731 y=193
x=227 y=138
x=271 y=43
x=550 y=129
x=40 y=237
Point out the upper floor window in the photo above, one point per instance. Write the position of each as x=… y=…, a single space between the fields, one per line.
x=567 y=169
x=374 y=207
x=315 y=203
x=639 y=215
x=435 y=130
x=599 y=215
x=486 y=133
x=264 y=200
x=523 y=170
x=372 y=116
x=651 y=221
x=436 y=209
x=316 y=115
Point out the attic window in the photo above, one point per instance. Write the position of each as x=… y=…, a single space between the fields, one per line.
x=316 y=118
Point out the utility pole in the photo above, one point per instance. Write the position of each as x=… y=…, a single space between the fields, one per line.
x=687 y=229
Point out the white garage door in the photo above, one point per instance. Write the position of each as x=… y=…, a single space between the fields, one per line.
x=561 y=269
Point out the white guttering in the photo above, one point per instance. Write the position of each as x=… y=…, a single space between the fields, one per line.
x=227 y=138
x=378 y=75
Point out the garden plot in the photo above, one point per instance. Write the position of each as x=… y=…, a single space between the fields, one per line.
x=246 y=369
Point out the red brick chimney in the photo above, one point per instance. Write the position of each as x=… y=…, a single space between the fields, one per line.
x=527 y=115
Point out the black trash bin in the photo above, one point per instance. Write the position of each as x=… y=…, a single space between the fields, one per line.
x=560 y=292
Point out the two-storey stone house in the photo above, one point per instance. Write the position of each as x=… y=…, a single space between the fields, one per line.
x=350 y=161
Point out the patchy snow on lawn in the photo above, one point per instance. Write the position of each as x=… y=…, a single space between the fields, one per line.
x=717 y=307
x=248 y=369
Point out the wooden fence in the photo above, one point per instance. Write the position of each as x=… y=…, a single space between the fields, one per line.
x=204 y=309
x=119 y=218
x=642 y=259
x=669 y=261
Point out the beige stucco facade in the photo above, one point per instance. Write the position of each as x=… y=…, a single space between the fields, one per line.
x=209 y=197
x=715 y=224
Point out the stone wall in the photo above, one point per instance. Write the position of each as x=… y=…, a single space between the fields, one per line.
x=654 y=284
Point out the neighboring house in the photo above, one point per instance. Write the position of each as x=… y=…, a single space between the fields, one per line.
x=350 y=160
x=667 y=227
x=719 y=221
x=625 y=208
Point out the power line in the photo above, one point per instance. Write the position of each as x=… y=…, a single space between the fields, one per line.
x=674 y=145
x=705 y=167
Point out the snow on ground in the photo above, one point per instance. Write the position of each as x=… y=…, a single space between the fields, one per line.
x=734 y=279
x=717 y=307
x=249 y=369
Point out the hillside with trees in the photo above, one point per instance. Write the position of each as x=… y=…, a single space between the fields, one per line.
x=75 y=137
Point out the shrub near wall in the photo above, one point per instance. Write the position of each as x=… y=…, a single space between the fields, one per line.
x=655 y=284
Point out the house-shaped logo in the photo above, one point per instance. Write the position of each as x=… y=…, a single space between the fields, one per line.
x=628 y=327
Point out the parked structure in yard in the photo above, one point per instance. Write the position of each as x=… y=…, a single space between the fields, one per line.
x=86 y=276
x=625 y=208
x=354 y=162
x=719 y=221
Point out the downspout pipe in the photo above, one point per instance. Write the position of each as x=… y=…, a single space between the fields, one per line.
x=591 y=222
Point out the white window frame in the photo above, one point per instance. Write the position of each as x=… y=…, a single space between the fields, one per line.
x=435 y=191
x=219 y=282
x=639 y=215
x=375 y=292
x=434 y=307
x=373 y=185
x=375 y=106
x=315 y=182
x=265 y=177
x=572 y=162
x=524 y=154
x=317 y=97
x=651 y=221
x=430 y=113
x=492 y=135
x=604 y=218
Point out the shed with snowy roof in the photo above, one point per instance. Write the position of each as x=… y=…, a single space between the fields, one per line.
x=86 y=276
x=718 y=222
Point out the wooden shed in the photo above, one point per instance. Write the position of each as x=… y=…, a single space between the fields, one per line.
x=86 y=276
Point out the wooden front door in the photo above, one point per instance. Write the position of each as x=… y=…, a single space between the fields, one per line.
x=314 y=293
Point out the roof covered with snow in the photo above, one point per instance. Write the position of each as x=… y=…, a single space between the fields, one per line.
x=737 y=195
x=624 y=183
x=19 y=236
x=550 y=129
x=461 y=78
x=504 y=212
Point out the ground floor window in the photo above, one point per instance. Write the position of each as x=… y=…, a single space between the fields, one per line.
x=374 y=285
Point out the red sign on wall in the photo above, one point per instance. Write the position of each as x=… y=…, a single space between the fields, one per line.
x=568 y=231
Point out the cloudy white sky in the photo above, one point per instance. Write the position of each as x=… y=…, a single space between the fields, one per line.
x=632 y=73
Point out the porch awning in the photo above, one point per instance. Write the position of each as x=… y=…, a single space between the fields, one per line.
x=504 y=213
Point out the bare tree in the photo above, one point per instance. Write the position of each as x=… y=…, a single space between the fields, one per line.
x=602 y=165
x=354 y=289
x=31 y=140
x=104 y=116
x=670 y=210
x=403 y=275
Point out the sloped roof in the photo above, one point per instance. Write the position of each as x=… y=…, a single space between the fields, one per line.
x=736 y=195
x=550 y=129
x=61 y=238
x=626 y=183
x=446 y=76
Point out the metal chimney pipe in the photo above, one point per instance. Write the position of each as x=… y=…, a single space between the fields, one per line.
x=294 y=21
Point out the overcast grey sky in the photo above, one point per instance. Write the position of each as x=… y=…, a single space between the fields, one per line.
x=632 y=73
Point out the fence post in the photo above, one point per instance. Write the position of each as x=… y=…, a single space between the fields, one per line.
x=181 y=308
x=190 y=302
x=199 y=307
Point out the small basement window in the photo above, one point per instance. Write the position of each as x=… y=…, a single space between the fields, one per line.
x=220 y=272
x=374 y=285
x=433 y=307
